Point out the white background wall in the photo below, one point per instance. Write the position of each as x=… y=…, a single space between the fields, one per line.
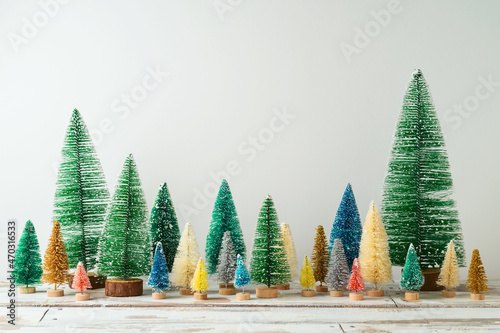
x=226 y=76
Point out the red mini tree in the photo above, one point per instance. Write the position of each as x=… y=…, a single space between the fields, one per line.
x=81 y=282
x=356 y=282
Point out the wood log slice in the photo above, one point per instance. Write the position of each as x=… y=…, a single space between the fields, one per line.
x=123 y=288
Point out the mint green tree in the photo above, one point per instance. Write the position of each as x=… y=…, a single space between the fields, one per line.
x=28 y=262
x=417 y=203
x=125 y=246
x=269 y=263
x=412 y=277
x=81 y=195
x=164 y=226
x=224 y=218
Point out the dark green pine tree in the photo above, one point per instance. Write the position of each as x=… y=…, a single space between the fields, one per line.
x=125 y=246
x=81 y=196
x=269 y=263
x=28 y=262
x=417 y=203
x=224 y=218
x=164 y=226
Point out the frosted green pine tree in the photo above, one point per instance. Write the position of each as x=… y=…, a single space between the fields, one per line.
x=28 y=262
x=81 y=195
x=417 y=203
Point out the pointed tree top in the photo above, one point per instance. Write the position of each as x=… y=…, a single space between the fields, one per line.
x=417 y=73
x=268 y=197
x=130 y=157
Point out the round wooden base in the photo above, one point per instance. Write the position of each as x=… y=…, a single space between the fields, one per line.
x=229 y=285
x=227 y=291
x=284 y=286
x=185 y=291
x=321 y=289
x=266 y=292
x=308 y=293
x=374 y=293
x=243 y=296
x=159 y=295
x=82 y=296
x=123 y=288
x=477 y=297
x=356 y=296
x=200 y=296
x=412 y=296
x=448 y=293
x=337 y=293
x=27 y=290
x=96 y=281
x=55 y=292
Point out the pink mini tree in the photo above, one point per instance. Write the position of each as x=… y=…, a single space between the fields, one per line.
x=356 y=282
x=80 y=280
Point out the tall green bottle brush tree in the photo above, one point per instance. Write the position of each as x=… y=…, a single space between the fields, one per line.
x=417 y=203
x=81 y=196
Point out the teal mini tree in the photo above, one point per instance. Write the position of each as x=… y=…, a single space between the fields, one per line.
x=347 y=226
x=125 y=248
x=164 y=226
x=269 y=263
x=81 y=196
x=411 y=278
x=242 y=277
x=417 y=203
x=28 y=262
x=158 y=278
x=224 y=218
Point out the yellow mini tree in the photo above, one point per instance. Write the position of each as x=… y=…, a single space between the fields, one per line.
x=306 y=275
x=374 y=259
x=449 y=277
x=290 y=250
x=55 y=261
x=477 y=282
x=200 y=278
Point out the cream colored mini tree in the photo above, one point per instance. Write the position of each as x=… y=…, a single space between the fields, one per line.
x=374 y=257
x=307 y=278
x=199 y=283
x=186 y=260
x=290 y=250
x=449 y=277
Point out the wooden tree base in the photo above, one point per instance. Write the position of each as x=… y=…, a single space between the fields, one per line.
x=55 y=292
x=284 y=286
x=159 y=295
x=308 y=293
x=123 y=288
x=27 y=290
x=229 y=285
x=227 y=291
x=321 y=289
x=337 y=293
x=448 y=293
x=82 y=296
x=356 y=296
x=477 y=297
x=266 y=292
x=96 y=281
x=375 y=293
x=200 y=296
x=412 y=296
x=185 y=291
x=243 y=296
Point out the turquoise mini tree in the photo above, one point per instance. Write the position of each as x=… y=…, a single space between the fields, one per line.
x=411 y=278
x=125 y=247
x=28 y=262
x=158 y=278
x=81 y=195
x=417 y=203
x=224 y=218
x=164 y=226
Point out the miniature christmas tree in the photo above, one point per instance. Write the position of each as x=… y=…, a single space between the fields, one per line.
x=347 y=226
x=307 y=280
x=224 y=218
x=186 y=259
x=81 y=196
x=291 y=254
x=158 y=278
x=417 y=204
x=55 y=262
x=81 y=282
x=28 y=262
x=200 y=280
x=269 y=263
x=125 y=243
x=164 y=227
x=374 y=250
x=411 y=278
x=338 y=271
x=477 y=282
x=449 y=277
x=356 y=282
x=242 y=277
x=227 y=260
x=320 y=256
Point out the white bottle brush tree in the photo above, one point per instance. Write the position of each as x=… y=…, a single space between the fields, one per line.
x=226 y=268
x=186 y=258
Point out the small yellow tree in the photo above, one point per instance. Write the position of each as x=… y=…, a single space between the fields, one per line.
x=306 y=275
x=374 y=257
x=186 y=258
x=477 y=282
x=449 y=277
x=200 y=278
x=319 y=256
x=290 y=250
x=55 y=261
